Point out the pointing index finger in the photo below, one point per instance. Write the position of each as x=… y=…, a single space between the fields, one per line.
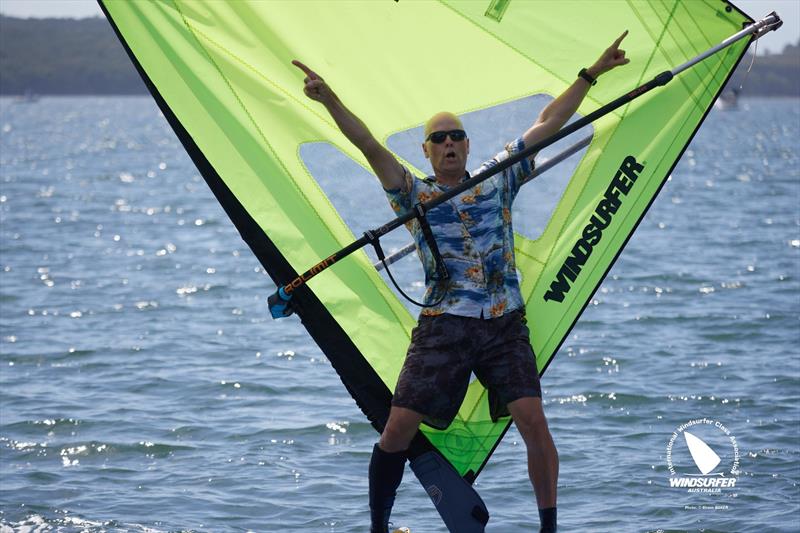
x=310 y=73
x=619 y=39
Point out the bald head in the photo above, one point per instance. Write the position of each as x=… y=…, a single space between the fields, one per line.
x=440 y=117
x=448 y=156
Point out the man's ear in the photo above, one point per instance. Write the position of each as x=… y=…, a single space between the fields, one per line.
x=425 y=151
x=467 y=145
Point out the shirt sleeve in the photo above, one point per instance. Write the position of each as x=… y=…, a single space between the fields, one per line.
x=520 y=171
x=402 y=198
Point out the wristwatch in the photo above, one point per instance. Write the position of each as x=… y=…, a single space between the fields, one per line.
x=585 y=75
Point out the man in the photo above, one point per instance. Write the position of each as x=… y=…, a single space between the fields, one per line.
x=474 y=321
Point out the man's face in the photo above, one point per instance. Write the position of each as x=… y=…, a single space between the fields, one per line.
x=448 y=158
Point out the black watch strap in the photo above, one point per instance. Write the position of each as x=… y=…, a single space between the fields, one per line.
x=585 y=75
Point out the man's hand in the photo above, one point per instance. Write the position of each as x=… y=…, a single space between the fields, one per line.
x=382 y=161
x=315 y=87
x=611 y=58
x=557 y=113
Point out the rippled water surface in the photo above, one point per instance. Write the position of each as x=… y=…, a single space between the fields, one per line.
x=145 y=388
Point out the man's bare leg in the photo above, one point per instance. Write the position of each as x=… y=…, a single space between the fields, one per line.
x=387 y=464
x=400 y=429
x=542 y=455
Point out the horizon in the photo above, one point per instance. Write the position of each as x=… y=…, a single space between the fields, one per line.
x=772 y=43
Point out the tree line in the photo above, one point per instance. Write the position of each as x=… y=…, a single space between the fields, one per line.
x=64 y=56
x=83 y=56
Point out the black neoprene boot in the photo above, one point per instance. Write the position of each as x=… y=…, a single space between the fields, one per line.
x=385 y=474
x=547 y=519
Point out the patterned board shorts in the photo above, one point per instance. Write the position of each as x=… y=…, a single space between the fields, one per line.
x=445 y=349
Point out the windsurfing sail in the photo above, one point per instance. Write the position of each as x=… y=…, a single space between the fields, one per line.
x=221 y=73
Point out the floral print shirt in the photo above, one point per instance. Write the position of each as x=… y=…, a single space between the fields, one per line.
x=475 y=238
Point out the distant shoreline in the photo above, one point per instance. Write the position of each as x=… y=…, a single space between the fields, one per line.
x=64 y=57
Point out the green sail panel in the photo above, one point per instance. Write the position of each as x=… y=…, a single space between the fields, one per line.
x=222 y=74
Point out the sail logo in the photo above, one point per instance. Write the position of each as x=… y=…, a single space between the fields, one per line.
x=699 y=460
x=704 y=457
x=592 y=233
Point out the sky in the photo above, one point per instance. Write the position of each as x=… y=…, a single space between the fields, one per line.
x=789 y=10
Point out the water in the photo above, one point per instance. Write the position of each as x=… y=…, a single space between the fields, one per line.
x=145 y=388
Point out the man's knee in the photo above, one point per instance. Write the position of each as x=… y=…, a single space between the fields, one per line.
x=393 y=441
x=529 y=418
x=532 y=425
x=400 y=429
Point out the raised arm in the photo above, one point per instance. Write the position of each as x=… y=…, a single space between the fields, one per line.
x=559 y=111
x=389 y=171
